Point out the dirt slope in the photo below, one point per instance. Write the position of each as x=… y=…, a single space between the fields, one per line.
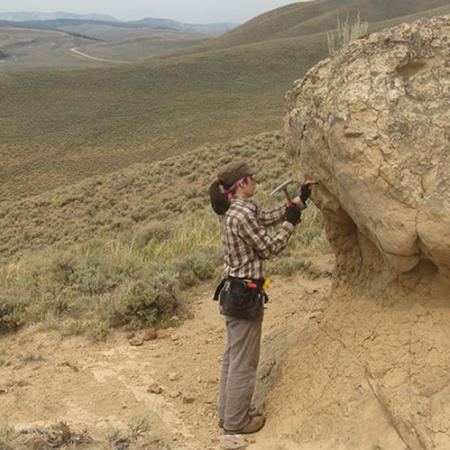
x=346 y=372
x=326 y=364
x=45 y=377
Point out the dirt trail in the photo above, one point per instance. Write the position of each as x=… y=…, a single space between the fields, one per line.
x=45 y=378
x=77 y=51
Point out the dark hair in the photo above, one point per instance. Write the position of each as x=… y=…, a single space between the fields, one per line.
x=218 y=197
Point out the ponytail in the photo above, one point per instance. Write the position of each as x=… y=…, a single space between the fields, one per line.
x=219 y=198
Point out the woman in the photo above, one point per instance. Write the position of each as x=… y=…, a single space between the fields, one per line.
x=246 y=245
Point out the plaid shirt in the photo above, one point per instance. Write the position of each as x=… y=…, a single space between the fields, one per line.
x=245 y=239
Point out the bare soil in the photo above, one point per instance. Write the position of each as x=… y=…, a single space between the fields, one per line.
x=46 y=377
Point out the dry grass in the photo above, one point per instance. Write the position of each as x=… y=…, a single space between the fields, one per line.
x=39 y=48
x=346 y=32
x=59 y=435
x=305 y=18
x=141 y=48
x=138 y=435
x=106 y=205
x=79 y=124
x=116 y=251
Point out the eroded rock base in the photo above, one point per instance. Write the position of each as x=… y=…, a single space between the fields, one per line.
x=372 y=373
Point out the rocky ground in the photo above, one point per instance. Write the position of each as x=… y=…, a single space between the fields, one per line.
x=165 y=389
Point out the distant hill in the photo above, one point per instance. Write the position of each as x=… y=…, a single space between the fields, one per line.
x=147 y=23
x=214 y=28
x=61 y=21
x=29 y=16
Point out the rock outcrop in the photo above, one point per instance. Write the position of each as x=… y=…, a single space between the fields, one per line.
x=372 y=125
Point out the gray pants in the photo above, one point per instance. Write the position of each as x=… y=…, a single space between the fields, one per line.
x=239 y=366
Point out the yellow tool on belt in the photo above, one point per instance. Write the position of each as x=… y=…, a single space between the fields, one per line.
x=267 y=283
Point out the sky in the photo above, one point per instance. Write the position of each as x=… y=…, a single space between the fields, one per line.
x=190 y=11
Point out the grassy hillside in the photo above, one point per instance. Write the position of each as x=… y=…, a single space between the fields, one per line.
x=30 y=48
x=105 y=205
x=299 y=19
x=108 y=32
x=60 y=127
x=116 y=250
x=134 y=50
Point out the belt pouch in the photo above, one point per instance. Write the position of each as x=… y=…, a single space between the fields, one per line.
x=240 y=301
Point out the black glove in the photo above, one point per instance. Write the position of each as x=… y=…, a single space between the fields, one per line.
x=293 y=214
x=305 y=192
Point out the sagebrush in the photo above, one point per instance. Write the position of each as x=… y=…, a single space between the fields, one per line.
x=118 y=251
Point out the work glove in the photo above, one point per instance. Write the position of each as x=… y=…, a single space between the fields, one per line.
x=293 y=214
x=305 y=192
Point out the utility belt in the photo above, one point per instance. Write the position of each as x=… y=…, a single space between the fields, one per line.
x=242 y=298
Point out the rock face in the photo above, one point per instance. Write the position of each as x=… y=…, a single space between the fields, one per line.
x=372 y=125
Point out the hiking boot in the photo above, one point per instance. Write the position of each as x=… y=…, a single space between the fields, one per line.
x=255 y=424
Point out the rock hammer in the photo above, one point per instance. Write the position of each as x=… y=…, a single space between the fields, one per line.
x=284 y=187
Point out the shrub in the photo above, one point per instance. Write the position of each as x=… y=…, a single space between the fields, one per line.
x=293 y=265
x=51 y=305
x=288 y=266
x=143 y=304
x=62 y=268
x=133 y=280
x=11 y=315
x=197 y=267
x=190 y=235
x=7 y=437
x=98 y=330
x=157 y=231
x=311 y=231
x=120 y=223
x=58 y=435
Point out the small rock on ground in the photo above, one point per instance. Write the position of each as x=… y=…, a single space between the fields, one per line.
x=135 y=342
x=150 y=334
x=155 y=388
x=174 y=376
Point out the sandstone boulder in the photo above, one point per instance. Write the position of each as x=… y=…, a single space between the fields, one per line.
x=372 y=124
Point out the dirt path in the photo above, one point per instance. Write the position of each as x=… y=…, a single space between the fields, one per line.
x=45 y=378
x=94 y=58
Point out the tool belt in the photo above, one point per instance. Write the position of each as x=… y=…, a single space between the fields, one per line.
x=242 y=298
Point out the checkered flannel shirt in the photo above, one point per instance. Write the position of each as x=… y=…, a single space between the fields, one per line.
x=246 y=241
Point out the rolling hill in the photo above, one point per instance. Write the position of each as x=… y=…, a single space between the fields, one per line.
x=65 y=41
x=300 y=19
x=28 y=48
x=75 y=22
x=31 y=49
x=82 y=123
x=26 y=16
x=106 y=204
